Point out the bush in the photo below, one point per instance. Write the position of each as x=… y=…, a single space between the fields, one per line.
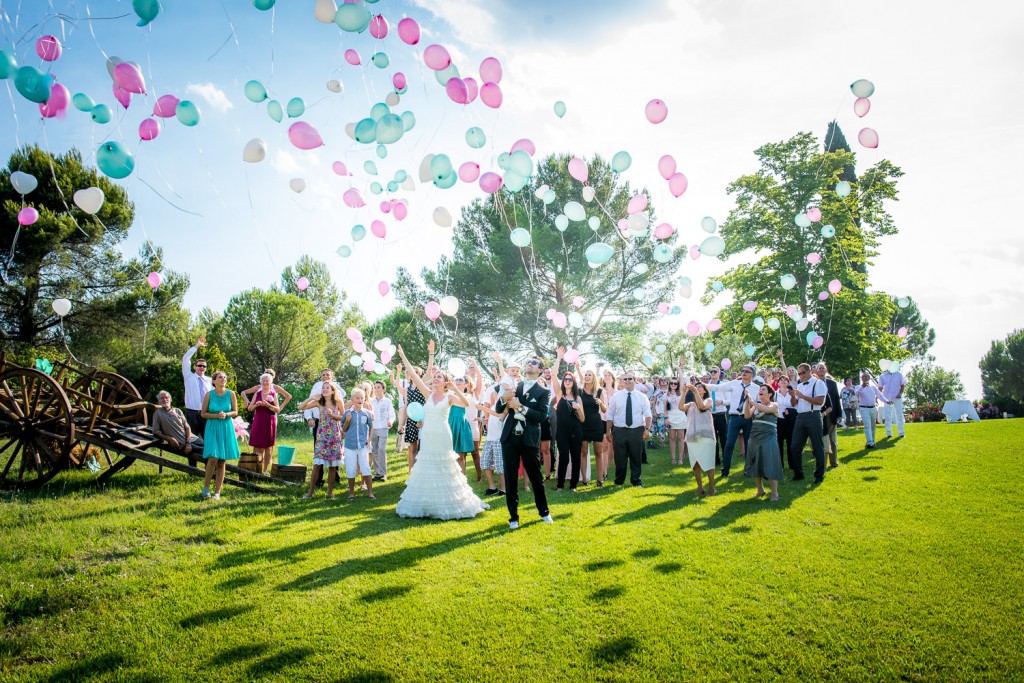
x=929 y=412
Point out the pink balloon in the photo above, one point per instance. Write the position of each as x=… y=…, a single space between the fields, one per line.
x=664 y=308
x=637 y=204
x=469 y=171
x=726 y=363
x=385 y=356
x=58 y=103
x=472 y=89
x=490 y=94
x=129 y=77
x=902 y=332
x=862 y=106
x=559 y=320
x=749 y=306
x=623 y=225
x=656 y=111
x=165 y=106
x=339 y=168
x=695 y=252
x=398 y=80
x=436 y=57
x=868 y=137
x=432 y=310
x=304 y=136
x=401 y=210
x=149 y=129
x=822 y=296
x=353 y=199
x=302 y=283
x=359 y=346
x=490 y=182
x=456 y=89
x=28 y=216
x=663 y=231
x=524 y=144
x=818 y=341
x=577 y=301
x=571 y=356
x=379 y=229
x=714 y=325
x=667 y=166
x=835 y=286
x=383 y=287
x=490 y=70
x=814 y=214
x=154 y=279
x=353 y=334
x=378 y=26
x=369 y=365
x=693 y=328
x=409 y=31
x=677 y=184
x=352 y=57
x=550 y=314
x=578 y=169
x=385 y=207
x=123 y=97
x=790 y=309
x=48 y=48
x=813 y=258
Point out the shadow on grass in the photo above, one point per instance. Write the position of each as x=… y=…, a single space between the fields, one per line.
x=602 y=564
x=242 y=653
x=668 y=567
x=42 y=604
x=616 y=650
x=646 y=553
x=386 y=593
x=87 y=668
x=214 y=616
x=281 y=660
x=606 y=594
x=870 y=478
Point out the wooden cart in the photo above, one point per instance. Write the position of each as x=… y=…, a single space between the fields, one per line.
x=50 y=422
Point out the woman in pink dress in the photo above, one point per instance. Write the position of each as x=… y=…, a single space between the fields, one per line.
x=263 y=431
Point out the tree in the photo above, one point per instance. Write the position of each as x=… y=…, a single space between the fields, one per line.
x=272 y=329
x=920 y=336
x=796 y=176
x=1002 y=370
x=928 y=383
x=505 y=291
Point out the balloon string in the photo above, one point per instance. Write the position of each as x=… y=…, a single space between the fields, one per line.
x=169 y=202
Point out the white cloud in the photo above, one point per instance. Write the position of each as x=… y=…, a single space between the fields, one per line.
x=211 y=94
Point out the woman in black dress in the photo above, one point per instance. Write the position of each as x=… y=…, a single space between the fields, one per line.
x=594 y=427
x=570 y=429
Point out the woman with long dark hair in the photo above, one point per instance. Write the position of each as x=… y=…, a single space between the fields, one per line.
x=569 y=406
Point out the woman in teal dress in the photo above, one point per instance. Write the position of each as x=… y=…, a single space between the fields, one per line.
x=462 y=433
x=762 y=454
x=220 y=407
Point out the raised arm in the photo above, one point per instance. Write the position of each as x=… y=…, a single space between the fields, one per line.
x=556 y=375
x=459 y=399
x=430 y=358
x=501 y=366
x=413 y=377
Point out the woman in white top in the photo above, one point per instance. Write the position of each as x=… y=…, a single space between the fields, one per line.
x=672 y=406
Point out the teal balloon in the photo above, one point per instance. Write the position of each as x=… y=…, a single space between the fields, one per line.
x=408 y=120
x=380 y=60
x=621 y=161
x=549 y=196
x=903 y=302
x=382 y=151
x=414 y=411
x=663 y=253
x=275 y=110
x=758 y=323
x=344 y=251
x=370 y=167
x=810 y=337
x=594 y=222
x=513 y=182
x=641 y=268
x=352 y=18
x=828 y=231
x=101 y=113
x=774 y=324
x=559 y=108
x=802 y=220
x=843 y=188
x=787 y=281
x=296 y=107
x=448 y=181
x=376 y=188
x=520 y=162
x=574 y=211
x=400 y=176
x=446 y=74
x=389 y=129
x=675 y=310
x=82 y=102
x=475 y=137
x=255 y=92
x=862 y=87
x=379 y=111
x=263 y=5
x=503 y=160
x=187 y=112
x=33 y=84
x=440 y=166
x=115 y=160
x=709 y=347
x=7 y=65
x=358 y=232
x=598 y=253
x=366 y=131
x=146 y=10
x=561 y=222
x=393 y=186
x=717 y=286
x=749 y=350
x=520 y=237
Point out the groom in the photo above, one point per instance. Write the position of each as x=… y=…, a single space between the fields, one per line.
x=524 y=409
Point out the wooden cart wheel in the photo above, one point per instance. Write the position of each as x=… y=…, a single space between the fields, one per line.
x=116 y=394
x=36 y=428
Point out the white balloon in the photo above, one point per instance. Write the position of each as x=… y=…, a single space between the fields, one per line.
x=449 y=306
x=588 y=194
x=382 y=344
x=802 y=324
x=457 y=367
x=409 y=184
x=660 y=348
x=539 y=192
x=89 y=200
x=392 y=99
x=884 y=364
x=355 y=361
x=638 y=223
x=425 y=175
x=368 y=356
x=325 y=11
x=297 y=184
x=334 y=85
x=443 y=217
x=575 y=319
x=61 y=307
x=23 y=183
x=350 y=130
x=255 y=151
x=685 y=291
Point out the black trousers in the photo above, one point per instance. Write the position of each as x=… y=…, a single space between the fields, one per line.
x=195 y=421
x=512 y=453
x=628 y=443
x=570 y=443
x=808 y=426
x=721 y=424
x=784 y=435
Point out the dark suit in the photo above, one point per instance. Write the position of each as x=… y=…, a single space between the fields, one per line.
x=524 y=447
x=830 y=421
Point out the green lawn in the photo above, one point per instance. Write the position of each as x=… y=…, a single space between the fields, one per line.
x=906 y=564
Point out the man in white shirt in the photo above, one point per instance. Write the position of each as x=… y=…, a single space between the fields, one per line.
x=629 y=424
x=868 y=397
x=891 y=385
x=807 y=396
x=383 y=417
x=312 y=415
x=490 y=458
x=737 y=393
x=197 y=385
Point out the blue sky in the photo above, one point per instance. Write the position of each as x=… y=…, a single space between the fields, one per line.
x=735 y=75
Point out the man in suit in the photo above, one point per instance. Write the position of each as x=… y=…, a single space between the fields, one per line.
x=830 y=414
x=629 y=425
x=524 y=410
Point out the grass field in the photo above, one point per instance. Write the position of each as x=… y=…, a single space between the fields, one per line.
x=906 y=564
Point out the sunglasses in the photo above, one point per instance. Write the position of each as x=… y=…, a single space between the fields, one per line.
x=673 y=382
x=201 y=366
x=627 y=379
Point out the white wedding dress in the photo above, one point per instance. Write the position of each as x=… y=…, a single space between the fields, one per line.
x=436 y=486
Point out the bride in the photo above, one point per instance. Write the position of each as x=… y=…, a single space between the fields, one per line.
x=436 y=486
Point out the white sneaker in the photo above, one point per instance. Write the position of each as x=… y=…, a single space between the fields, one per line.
x=512 y=526
x=547 y=519
x=216 y=496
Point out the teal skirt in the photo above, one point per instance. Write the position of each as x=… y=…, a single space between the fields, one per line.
x=462 y=434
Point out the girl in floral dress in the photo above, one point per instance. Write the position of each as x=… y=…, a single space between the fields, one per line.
x=327 y=451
